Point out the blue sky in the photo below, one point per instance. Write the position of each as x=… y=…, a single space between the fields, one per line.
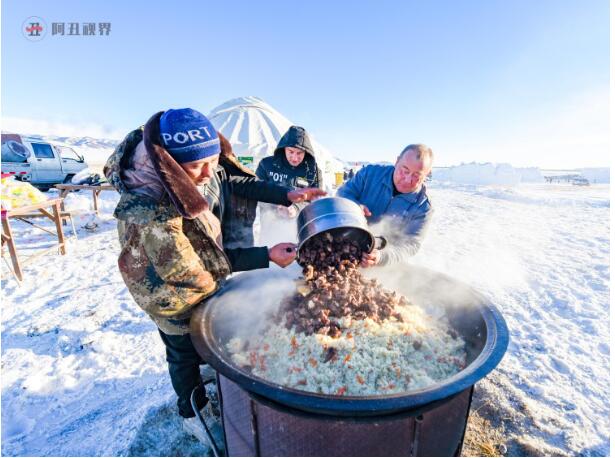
x=523 y=82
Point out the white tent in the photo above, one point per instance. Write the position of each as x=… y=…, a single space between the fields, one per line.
x=254 y=128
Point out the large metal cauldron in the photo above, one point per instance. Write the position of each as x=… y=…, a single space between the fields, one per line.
x=261 y=418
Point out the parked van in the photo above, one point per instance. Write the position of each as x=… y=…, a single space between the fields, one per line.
x=40 y=162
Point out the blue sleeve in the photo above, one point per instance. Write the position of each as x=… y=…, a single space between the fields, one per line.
x=406 y=244
x=353 y=188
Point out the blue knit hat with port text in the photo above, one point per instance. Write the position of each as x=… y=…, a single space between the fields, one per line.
x=188 y=135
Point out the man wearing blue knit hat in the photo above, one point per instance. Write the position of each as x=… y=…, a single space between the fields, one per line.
x=172 y=258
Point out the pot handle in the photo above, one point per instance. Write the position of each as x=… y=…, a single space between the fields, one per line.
x=383 y=242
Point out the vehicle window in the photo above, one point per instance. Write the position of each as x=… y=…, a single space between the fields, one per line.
x=68 y=153
x=42 y=151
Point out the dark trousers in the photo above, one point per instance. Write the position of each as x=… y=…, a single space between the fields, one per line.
x=184 y=370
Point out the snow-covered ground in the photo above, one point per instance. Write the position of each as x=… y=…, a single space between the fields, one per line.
x=541 y=253
x=84 y=373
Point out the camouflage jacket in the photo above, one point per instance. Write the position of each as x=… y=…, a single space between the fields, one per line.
x=169 y=263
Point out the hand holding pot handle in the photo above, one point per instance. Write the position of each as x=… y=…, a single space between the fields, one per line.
x=370 y=259
x=283 y=254
x=373 y=257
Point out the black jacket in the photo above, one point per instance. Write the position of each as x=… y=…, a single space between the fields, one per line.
x=237 y=233
x=276 y=169
x=237 y=226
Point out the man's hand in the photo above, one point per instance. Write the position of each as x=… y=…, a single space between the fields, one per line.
x=283 y=254
x=370 y=259
x=286 y=212
x=306 y=194
x=366 y=211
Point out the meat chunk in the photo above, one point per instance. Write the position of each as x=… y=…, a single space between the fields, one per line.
x=334 y=288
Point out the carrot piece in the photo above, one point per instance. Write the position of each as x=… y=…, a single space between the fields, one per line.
x=360 y=379
x=341 y=391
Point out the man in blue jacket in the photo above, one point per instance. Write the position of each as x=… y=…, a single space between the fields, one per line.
x=395 y=195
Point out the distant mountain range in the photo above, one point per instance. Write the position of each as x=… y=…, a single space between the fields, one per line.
x=80 y=142
x=96 y=151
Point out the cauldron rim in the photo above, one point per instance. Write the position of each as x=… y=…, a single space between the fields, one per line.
x=496 y=343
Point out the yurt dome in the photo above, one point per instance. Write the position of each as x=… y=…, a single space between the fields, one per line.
x=254 y=128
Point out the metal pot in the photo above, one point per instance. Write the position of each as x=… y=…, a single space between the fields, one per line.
x=339 y=216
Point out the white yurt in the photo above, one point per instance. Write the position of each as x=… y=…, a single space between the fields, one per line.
x=254 y=128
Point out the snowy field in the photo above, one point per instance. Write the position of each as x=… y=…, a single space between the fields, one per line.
x=83 y=369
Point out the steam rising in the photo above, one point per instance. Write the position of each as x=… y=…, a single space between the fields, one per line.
x=249 y=300
x=256 y=296
x=477 y=260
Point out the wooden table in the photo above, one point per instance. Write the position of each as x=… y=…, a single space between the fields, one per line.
x=96 y=190
x=22 y=213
